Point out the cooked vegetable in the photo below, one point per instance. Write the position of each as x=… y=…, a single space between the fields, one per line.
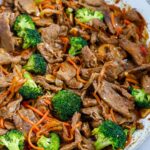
x=85 y=15
x=77 y=43
x=21 y=23
x=142 y=99
x=109 y=133
x=31 y=38
x=13 y=140
x=36 y=64
x=49 y=143
x=30 y=90
x=65 y=104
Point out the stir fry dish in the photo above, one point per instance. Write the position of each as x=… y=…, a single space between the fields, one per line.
x=74 y=75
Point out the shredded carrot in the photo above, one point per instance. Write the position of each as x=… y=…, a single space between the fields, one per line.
x=97 y=98
x=131 y=80
x=30 y=132
x=2 y=123
x=77 y=70
x=65 y=40
x=127 y=22
x=4 y=70
x=113 y=116
x=48 y=6
x=27 y=120
x=85 y=26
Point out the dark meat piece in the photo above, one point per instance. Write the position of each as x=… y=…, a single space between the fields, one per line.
x=21 y=124
x=108 y=22
x=89 y=57
x=6 y=39
x=3 y=131
x=112 y=69
x=93 y=112
x=50 y=33
x=114 y=98
x=42 y=22
x=42 y=81
x=87 y=72
x=70 y=146
x=93 y=37
x=6 y=58
x=28 y=6
x=95 y=3
x=134 y=16
x=146 y=83
x=66 y=72
x=86 y=129
x=9 y=125
x=97 y=24
x=51 y=54
x=133 y=49
x=8 y=111
x=107 y=40
x=89 y=102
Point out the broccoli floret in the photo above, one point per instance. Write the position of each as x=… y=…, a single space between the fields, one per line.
x=77 y=43
x=142 y=99
x=51 y=143
x=21 y=23
x=65 y=104
x=13 y=140
x=85 y=15
x=36 y=64
x=30 y=90
x=31 y=38
x=109 y=134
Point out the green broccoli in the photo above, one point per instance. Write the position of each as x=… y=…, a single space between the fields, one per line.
x=109 y=133
x=30 y=90
x=142 y=99
x=51 y=143
x=31 y=38
x=85 y=15
x=13 y=140
x=36 y=64
x=65 y=103
x=77 y=43
x=21 y=23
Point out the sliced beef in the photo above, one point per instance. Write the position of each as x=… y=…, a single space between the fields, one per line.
x=42 y=81
x=7 y=111
x=89 y=57
x=146 y=83
x=112 y=69
x=74 y=84
x=50 y=53
x=89 y=102
x=115 y=99
x=21 y=124
x=97 y=24
x=86 y=129
x=6 y=39
x=66 y=72
x=6 y=58
x=95 y=3
x=134 y=16
x=42 y=22
x=50 y=33
x=104 y=38
x=3 y=131
x=70 y=146
x=28 y=6
x=133 y=49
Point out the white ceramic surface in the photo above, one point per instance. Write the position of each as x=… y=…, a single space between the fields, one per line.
x=143 y=6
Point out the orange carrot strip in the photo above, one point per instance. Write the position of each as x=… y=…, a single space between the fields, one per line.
x=30 y=132
x=132 y=80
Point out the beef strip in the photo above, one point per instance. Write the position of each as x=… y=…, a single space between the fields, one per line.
x=7 y=111
x=74 y=84
x=69 y=146
x=146 y=83
x=89 y=102
x=21 y=124
x=94 y=3
x=50 y=53
x=104 y=38
x=6 y=39
x=42 y=81
x=66 y=72
x=89 y=57
x=28 y=6
x=2 y=132
x=86 y=129
x=133 y=49
x=114 y=98
x=6 y=58
x=51 y=33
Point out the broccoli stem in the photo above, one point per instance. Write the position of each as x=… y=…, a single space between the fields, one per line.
x=101 y=144
x=13 y=146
